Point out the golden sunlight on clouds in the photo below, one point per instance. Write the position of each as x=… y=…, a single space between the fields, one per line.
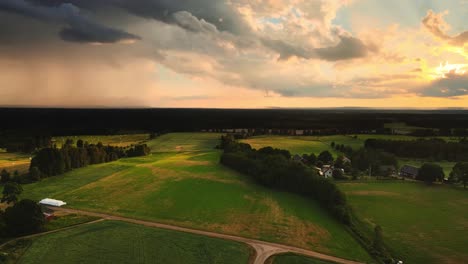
x=447 y=68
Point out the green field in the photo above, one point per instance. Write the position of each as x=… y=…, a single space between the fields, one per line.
x=295 y=259
x=14 y=161
x=188 y=187
x=316 y=144
x=113 y=140
x=421 y=223
x=119 y=242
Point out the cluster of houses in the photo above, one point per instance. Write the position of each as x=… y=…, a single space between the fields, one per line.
x=326 y=170
x=406 y=171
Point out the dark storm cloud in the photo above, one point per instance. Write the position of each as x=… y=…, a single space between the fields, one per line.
x=451 y=86
x=286 y=50
x=78 y=27
x=216 y=12
x=347 y=48
x=189 y=22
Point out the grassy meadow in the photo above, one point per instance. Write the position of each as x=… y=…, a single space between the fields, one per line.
x=14 y=161
x=316 y=144
x=182 y=183
x=119 y=242
x=421 y=223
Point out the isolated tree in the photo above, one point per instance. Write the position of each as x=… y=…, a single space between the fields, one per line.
x=430 y=172
x=11 y=192
x=4 y=176
x=460 y=172
x=326 y=157
x=332 y=144
x=25 y=217
x=79 y=143
x=16 y=174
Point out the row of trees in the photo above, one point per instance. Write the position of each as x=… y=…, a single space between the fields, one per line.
x=433 y=149
x=54 y=161
x=274 y=168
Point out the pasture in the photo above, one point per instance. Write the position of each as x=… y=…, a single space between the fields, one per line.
x=421 y=223
x=119 y=242
x=182 y=183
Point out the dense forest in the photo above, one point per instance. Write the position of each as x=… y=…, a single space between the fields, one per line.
x=112 y=121
x=432 y=149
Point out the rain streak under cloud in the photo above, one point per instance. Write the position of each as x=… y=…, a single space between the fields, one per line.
x=234 y=53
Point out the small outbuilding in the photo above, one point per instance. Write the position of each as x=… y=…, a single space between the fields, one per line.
x=52 y=202
x=409 y=171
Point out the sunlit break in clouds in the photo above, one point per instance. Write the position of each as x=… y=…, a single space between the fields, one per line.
x=234 y=53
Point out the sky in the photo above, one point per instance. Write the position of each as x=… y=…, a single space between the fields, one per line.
x=234 y=53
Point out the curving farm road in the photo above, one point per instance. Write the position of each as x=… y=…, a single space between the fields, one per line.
x=263 y=249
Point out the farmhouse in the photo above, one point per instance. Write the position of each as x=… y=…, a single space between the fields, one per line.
x=409 y=171
x=52 y=202
x=327 y=171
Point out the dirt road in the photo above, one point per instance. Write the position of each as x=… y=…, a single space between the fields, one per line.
x=263 y=249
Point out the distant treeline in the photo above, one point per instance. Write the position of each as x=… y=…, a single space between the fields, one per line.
x=53 y=161
x=19 y=142
x=274 y=168
x=111 y=121
x=433 y=149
